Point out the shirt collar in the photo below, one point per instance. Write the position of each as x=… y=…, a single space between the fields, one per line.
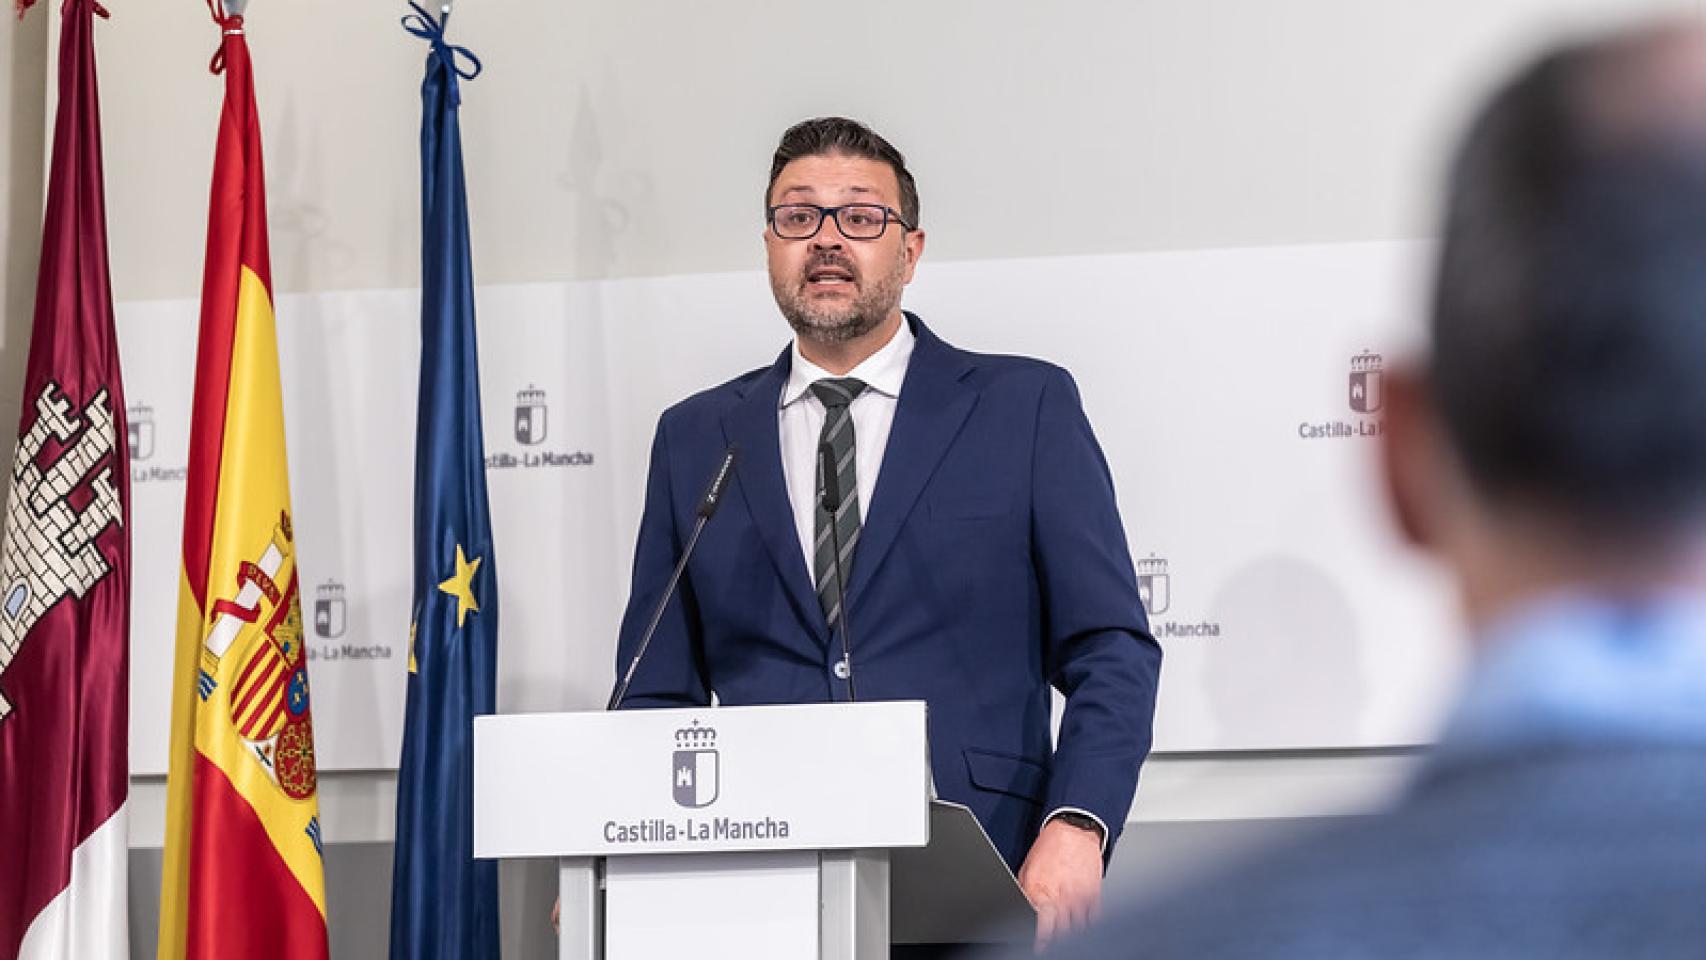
x=1586 y=668
x=883 y=371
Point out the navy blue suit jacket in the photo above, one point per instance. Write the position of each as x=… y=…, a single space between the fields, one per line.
x=992 y=564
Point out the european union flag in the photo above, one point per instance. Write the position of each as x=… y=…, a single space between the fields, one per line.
x=443 y=902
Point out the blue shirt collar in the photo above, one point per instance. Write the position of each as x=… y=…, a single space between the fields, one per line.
x=1585 y=669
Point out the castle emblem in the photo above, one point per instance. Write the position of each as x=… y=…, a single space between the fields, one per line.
x=261 y=627
x=530 y=416
x=50 y=550
x=330 y=610
x=140 y=421
x=1366 y=394
x=1154 y=586
x=696 y=766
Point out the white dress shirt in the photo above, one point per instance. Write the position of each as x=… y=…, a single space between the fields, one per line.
x=801 y=418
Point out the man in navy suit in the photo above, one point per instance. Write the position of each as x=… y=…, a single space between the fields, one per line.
x=983 y=554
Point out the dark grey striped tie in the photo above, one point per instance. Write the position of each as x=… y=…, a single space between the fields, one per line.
x=836 y=396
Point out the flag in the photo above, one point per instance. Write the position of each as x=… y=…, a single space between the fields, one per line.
x=243 y=875
x=65 y=571
x=444 y=904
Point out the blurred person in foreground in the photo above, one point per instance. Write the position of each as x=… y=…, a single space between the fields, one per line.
x=1551 y=451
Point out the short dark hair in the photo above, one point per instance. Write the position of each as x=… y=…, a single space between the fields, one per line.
x=829 y=136
x=1569 y=316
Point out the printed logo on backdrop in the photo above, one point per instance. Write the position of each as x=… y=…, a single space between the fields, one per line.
x=1153 y=585
x=530 y=411
x=696 y=766
x=1366 y=371
x=1365 y=394
x=141 y=417
x=141 y=441
x=1155 y=589
x=331 y=622
x=329 y=610
x=532 y=420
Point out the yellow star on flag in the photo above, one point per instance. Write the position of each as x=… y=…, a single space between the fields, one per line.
x=461 y=586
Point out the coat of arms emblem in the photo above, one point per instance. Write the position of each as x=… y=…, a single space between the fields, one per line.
x=141 y=430
x=261 y=626
x=696 y=766
x=330 y=610
x=1154 y=586
x=530 y=416
x=1366 y=395
x=56 y=514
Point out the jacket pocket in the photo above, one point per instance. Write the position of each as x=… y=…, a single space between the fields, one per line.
x=1014 y=776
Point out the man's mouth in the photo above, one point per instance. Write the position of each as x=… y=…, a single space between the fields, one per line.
x=828 y=276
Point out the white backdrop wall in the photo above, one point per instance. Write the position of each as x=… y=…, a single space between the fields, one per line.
x=1289 y=620
x=616 y=155
x=631 y=139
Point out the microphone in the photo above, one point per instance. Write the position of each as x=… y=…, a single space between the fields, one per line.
x=714 y=493
x=708 y=504
x=832 y=499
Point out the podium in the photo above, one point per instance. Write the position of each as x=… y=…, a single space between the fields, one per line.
x=781 y=832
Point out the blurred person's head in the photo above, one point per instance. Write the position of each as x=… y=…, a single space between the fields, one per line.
x=1556 y=433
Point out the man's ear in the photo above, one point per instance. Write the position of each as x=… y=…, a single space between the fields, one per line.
x=1414 y=457
x=914 y=250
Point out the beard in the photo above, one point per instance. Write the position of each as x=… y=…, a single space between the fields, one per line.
x=840 y=321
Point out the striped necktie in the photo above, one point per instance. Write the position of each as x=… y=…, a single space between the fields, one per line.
x=836 y=396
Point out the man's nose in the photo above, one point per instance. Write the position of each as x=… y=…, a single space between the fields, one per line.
x=829 y=236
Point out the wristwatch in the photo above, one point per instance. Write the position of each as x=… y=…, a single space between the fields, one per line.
x=1082 y=821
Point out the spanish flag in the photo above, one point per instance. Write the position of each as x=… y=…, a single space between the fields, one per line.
x=243 y=873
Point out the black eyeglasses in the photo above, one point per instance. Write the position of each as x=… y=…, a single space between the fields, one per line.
x=856 y=221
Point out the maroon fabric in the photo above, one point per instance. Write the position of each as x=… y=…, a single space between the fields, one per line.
x=64 y=743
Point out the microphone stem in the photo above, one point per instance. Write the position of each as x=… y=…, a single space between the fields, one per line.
x=657 y=615
x=841 y=592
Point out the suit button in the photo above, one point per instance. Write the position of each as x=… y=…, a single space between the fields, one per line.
x=842 y=670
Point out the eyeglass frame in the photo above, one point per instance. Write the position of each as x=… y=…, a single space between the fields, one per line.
x=825 y=214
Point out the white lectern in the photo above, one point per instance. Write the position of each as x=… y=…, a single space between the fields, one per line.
x=751 y=832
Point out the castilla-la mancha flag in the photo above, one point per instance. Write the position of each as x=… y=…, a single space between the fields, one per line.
x=65 y=571
x=242 y=875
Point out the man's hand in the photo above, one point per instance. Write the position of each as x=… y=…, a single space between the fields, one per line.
x=1063 y=877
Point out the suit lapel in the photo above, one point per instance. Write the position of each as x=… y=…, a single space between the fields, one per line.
x=752 y=425
x=934 y=404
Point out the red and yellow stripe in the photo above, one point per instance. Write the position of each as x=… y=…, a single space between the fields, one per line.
x=257 y=701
